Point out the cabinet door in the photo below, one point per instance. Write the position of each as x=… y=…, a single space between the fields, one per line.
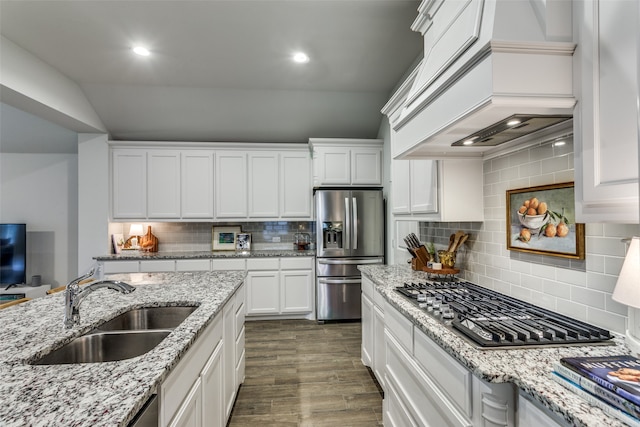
x=366 y=166
x=229 y=357
x=163 y=184
x=190 y=412
x=400 y=186
x=197 y=184
x=605 y=121
x=295 y=185
x=263 y=185
x=129 y=184
x=379 y=359
x=212 y=390
x=334 y=164
x=231 y=184
x=424 y=186
x=263 y=292
x=367 y=330
x=296 y=291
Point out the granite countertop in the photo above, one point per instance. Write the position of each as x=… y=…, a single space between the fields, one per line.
x=529 y=369
x=137 y=255
x=99 y=394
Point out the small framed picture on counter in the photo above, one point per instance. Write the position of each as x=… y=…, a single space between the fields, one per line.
x=243 y=242
x=224 y=238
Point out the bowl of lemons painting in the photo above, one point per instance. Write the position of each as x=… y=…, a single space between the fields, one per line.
x=541 y=220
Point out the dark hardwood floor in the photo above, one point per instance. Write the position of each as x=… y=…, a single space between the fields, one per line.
x=300 y=373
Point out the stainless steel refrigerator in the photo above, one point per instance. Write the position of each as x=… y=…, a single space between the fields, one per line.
x=349 y=232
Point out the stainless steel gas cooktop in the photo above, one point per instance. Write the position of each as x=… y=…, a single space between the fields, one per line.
x=493 y=320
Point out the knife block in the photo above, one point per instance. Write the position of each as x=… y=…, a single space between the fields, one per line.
x=417 y=264
x=420 y=259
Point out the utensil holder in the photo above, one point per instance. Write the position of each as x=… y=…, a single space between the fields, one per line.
x=447 y=259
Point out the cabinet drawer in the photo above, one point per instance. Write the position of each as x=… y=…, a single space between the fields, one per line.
x=239 y=346
x=227 y=264
x=121 y=267
x=254 y=264
x=446 y=372
x=239 y=319
x=157 y=266
x=296 y=263
x=378 y=299
x=399 y=326
x=193 y=265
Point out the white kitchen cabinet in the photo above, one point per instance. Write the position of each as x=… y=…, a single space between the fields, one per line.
x=129 y=184
x=414 y=186
x=263 y=292
x=355 y=162
x=530 y=414
x=373 y=340
x=454 y=187
x=367 y=329
x=163 y=184
x=263 y=184
x=295 y=185
x=157 y=266
x=212 y=389
x=605 y=118
x=231 y=184
x=229 y=356
x=296 y=291
x=240 y=308
x=190 y=412
x=197 y=184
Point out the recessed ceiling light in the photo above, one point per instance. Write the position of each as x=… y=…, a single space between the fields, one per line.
x=559 y=143
x=513 y=122
x=141 y=50
x=468 y=142
x=300 y=57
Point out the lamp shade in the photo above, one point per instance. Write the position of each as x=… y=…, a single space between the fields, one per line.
x=136 y=230
x=627 y=290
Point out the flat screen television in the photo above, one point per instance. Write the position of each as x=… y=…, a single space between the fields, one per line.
x=13 y=254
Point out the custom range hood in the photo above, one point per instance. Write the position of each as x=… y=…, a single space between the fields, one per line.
x=493 y=72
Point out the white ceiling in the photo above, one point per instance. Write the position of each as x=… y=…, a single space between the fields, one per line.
x=221 y=70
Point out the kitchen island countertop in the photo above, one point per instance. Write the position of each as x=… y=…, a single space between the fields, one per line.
x=99 y=394
x=529 y=369
x=138 y=255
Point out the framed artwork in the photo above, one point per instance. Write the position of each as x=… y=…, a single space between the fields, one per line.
x=541 y=220
x=117 y=241
x=243 y=242
x=224 y=238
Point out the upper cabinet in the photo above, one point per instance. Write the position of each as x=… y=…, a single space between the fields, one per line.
x=173 y=183
x=605 y=119
x=346 y=162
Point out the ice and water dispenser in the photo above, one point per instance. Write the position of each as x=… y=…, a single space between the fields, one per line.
x=332 y=235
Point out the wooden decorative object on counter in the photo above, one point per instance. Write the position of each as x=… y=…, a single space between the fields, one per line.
x=149 y=242
x=443 y=271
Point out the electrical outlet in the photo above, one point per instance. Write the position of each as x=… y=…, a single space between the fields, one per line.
x=275 y=239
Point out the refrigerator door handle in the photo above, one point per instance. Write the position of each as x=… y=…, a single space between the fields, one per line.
x=354 y=222
x=337 y=261
x=347 y=230
x=339 y=281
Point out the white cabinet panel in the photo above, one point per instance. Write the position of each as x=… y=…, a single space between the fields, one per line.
x=154 y=266
x=163 y=184
x=263 y=292
x=110 y=267
x=229 y=358
x=401 y=186
x=263 y=184
x=295 y=185
x=197 y=184
x=228 y=264
x=366 y=166
x=190 y=413
x=367 y=329
x=212 y=389
x=296 y=291
x=231 y=184
x=415 y=187
x=334 y=165
x=605 y=119
x=193 y=265
x=129 y=184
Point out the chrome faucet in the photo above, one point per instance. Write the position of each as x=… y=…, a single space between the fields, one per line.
x=73 y=295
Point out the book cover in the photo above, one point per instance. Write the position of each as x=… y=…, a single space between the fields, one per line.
x=594 y=401
x=597 y=390
x=620 y=374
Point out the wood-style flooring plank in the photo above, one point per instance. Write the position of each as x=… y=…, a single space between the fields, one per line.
x=300 y=373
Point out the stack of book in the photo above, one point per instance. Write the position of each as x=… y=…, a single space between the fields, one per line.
x=611 y=383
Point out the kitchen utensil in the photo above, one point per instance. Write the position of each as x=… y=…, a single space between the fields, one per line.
x=414 y=239
x=451 y=239
x=456 y=241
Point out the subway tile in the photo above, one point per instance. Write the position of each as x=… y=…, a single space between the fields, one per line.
x=541 y=153
x=519 y=158
x=509 y=174
x=534 y=283
x=511 y=277
x=491 y=177
x=530 y=169
x=544 y=271
x=518 y=183
x=588 y=297
x=613 y=265
x=543 y=179
x=502 y=287
x=606 y=320
x=519 y=266
x=521 y=293
x=614 y=306
x=601 y=282
x=573 y=309
x=544 y=300
x=492 y=201
x=494 y=273
x=499 y=163
x=563 y=176
x=557 y=289
x=572 y=277
x=595 y=263
x=605 y=246
x=594 y=229
x=554 y=165
x=485 y=281
x=623 y=231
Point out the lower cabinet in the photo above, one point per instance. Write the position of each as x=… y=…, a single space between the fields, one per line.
x=373 y=341
x=280 y=287
x=201 y=389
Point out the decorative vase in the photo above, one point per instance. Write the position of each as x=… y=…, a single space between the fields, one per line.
x=149 y=242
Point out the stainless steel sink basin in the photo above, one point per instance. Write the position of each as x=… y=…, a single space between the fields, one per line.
x=104 y=347
x=148 y=318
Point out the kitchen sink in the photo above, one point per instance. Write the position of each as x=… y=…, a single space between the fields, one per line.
x=130 y=334
x=104 y=347
x=148 y=318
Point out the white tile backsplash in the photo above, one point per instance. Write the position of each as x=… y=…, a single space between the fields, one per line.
x=577 y=288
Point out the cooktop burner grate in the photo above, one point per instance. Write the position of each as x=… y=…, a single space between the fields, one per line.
x=491 y=319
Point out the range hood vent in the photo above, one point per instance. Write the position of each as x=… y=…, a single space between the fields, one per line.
x=511 y=128
x=486 y=62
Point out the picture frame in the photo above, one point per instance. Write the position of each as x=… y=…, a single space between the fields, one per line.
x=243 y=242
x=224 y=238
x=546 y=225
x=117 y=241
